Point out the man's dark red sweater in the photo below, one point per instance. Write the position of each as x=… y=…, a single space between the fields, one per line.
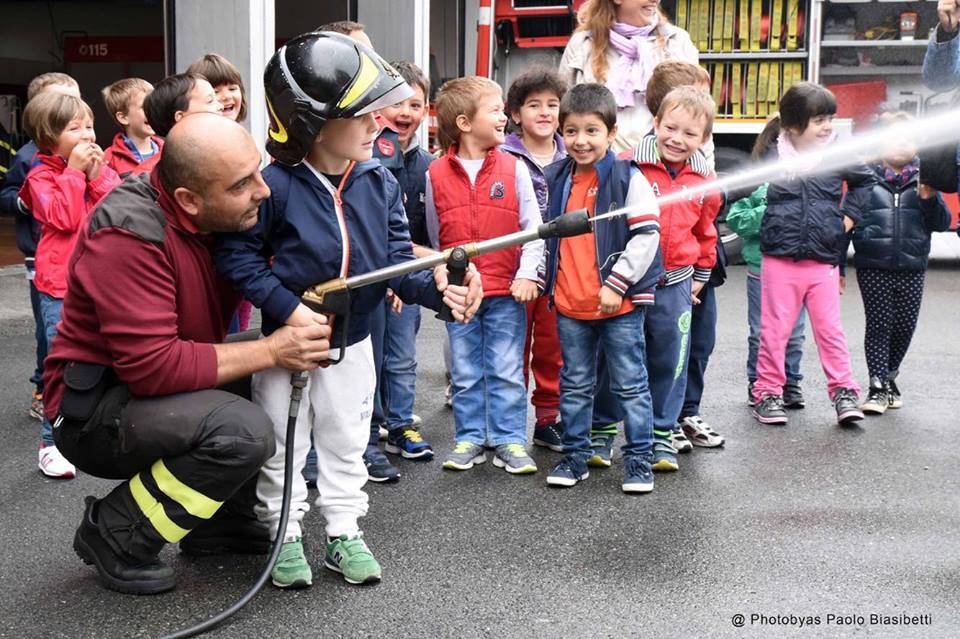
x=142 y=298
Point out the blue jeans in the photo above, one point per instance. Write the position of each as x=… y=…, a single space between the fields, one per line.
x=398 y=379
x=794 y=345
x=378 y=328
x=703 y=337
x=490 y=398
x=40 y=335
x=50 y=308
x=622 y=339
x=667 y=327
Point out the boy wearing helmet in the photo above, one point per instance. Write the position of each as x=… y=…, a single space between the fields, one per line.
x=333 y=212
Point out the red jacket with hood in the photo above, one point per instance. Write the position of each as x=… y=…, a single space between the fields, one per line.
x=121 y=159
x=688 y=237
x=60 y=199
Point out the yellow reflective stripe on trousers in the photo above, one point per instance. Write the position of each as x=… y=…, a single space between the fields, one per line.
x=153 y=510
x=195 y=503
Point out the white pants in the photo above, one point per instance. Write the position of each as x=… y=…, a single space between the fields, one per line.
x=337 y=405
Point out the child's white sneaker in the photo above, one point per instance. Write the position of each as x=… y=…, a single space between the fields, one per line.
x=52 y=463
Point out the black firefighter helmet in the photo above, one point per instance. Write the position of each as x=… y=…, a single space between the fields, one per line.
x=318 y=77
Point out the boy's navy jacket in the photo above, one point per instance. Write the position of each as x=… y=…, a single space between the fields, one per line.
x=300 y=230
x=27 y=229
x=804 y=216
x=612 y=234
x=410 y=170
x=894 y=232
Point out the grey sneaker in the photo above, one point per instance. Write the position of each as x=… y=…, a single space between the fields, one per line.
x=464 y=456
x=514 y=459
x=770 y=410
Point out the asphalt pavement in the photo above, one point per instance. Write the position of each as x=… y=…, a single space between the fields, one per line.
x=810 y=523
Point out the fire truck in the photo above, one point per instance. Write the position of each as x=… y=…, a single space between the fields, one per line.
x=868 y=52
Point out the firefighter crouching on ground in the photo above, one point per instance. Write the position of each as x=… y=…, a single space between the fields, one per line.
x=134 y=380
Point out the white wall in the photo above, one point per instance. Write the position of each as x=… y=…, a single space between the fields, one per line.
x=240 y=30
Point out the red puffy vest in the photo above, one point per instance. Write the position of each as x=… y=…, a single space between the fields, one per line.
x=487 y=209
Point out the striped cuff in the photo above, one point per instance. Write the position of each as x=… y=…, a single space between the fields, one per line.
x=702 y=274
x=643 y=298
x=617 y=282
x=677 y=275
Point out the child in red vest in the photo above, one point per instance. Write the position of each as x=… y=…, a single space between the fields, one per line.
x=135 y=149
x=476 y=192
x=67 y=179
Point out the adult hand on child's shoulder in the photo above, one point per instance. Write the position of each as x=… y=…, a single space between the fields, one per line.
x=524 y=290
x=302 y=315
x=926 y=192
x=610 y=300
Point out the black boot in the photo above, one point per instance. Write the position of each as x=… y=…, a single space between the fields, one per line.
x=877 y=398
x=116 y=572
x=228 y=534
x=893 y=394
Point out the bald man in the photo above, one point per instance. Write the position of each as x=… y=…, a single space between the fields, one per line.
x=135 y=381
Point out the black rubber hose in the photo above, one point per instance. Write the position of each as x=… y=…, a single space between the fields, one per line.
x=297 y=381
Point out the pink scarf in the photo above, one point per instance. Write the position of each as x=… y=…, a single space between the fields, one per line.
x=799 y=162
x=634 y=65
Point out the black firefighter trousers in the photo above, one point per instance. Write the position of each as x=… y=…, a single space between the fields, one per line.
x=182 y=457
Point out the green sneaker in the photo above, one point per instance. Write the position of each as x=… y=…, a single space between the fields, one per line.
x=352 y=559
x=292 y=569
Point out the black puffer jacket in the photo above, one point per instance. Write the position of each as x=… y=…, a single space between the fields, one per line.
x=894 y=232
x=804 y=216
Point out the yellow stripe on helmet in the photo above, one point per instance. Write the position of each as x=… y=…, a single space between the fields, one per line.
x=153 y=510
x=194 y=502
x=365 y=78
x=280 y=135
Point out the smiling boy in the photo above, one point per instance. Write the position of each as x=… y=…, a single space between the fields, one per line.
x=477 y=192
x=600 y=283
x=669 y=160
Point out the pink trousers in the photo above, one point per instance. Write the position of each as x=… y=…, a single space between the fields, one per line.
x=787 y=285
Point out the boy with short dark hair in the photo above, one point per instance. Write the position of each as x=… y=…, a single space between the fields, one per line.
x=670 y=160
x=533 y=103
x=333 y=212
x=176 y=96
x=136 y=142
x=601 y=284
x=477 y=192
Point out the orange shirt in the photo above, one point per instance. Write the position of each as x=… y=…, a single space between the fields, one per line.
x=577 y=292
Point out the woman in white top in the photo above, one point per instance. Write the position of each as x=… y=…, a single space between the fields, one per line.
x=618 y=43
